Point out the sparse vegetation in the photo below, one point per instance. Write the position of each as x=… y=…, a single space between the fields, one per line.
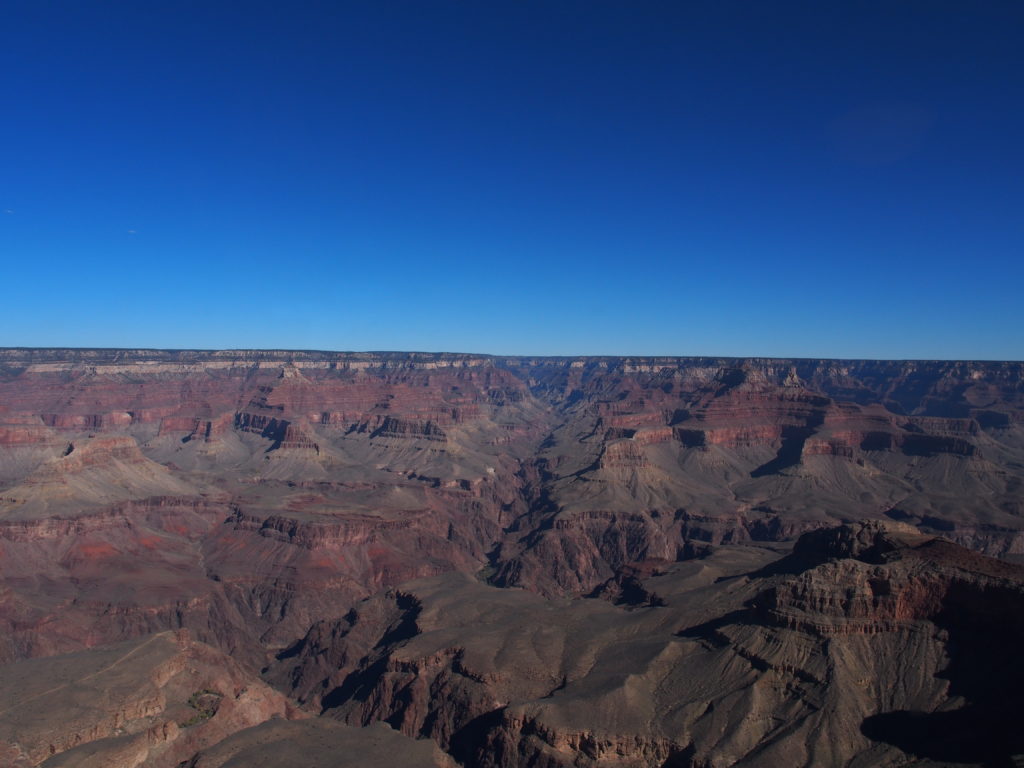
x=205 y=702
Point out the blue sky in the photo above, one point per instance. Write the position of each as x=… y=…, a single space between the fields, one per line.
x=841 y=179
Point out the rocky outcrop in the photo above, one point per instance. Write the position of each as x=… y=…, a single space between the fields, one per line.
x=150 y=702
x=641 y=458
x=257 y=499
x=809 y=660
x=874 y=577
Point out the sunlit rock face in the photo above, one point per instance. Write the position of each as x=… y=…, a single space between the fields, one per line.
x=272 y=503
x=818 y=658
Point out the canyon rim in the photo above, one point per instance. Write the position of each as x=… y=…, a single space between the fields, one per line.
x=279 y=558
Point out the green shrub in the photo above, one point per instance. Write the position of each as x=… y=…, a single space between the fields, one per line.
x=205 y=702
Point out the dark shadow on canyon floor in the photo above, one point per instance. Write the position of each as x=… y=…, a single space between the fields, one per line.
x=986 y=670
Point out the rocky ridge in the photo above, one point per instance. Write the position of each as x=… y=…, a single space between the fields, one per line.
x=808 y=660
x=275 y=502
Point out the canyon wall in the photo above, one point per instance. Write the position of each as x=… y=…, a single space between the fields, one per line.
x=268 y=502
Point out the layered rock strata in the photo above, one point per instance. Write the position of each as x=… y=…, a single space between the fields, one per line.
x=819 y=658
x=277 y=506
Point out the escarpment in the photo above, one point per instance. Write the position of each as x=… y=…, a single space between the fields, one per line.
x=797 y=661
x=151 y=702
x=522 y=561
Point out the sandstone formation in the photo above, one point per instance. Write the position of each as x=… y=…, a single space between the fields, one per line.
x=821 y=658
x=524 y=561
x=150 y=702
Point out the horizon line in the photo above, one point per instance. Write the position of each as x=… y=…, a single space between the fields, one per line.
x=492 y=355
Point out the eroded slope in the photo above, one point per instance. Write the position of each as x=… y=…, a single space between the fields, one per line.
x=526 y=561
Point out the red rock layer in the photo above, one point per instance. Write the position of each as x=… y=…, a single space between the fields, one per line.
x=304 y=481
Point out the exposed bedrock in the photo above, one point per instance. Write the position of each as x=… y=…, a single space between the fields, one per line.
x=410 y=539
x=290 y=568
x=153 y=702
x=343 y=473
x=811 y=660
x=115 y=572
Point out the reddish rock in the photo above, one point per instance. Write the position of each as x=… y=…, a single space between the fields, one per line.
x=252 y=496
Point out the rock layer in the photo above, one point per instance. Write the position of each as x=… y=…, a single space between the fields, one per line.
x=814 y=659
x=561 y=523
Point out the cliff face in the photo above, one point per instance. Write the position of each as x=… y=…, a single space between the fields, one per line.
x=812 y=660
x=153 y=702
x=256 y=498
x=283 y=486
x=241 y=497
x=660 y=458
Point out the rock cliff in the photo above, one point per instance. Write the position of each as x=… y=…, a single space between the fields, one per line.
x=536 y=561
x=819 y=658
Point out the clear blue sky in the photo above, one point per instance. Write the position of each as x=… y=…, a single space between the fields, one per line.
x=841 y=179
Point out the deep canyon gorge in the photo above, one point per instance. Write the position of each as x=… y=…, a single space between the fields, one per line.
x=272 y=558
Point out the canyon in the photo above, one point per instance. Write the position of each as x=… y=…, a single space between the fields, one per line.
x=277 y=558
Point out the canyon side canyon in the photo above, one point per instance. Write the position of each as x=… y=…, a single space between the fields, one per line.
x=319 y=559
